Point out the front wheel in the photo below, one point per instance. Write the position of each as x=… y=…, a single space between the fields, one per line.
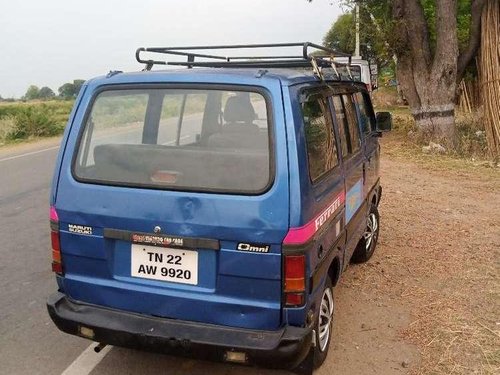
x=324 y=325
x=366 y=245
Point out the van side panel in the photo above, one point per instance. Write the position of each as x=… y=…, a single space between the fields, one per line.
x=67 y=131
x=321 y=205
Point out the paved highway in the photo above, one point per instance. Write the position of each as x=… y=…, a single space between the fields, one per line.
x=29 y=341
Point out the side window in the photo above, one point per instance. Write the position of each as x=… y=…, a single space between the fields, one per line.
x=352 y=123
x=342 y=125
x=367 y=116
x=320 y=141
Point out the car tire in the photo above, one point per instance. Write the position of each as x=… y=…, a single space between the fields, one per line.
x=323 y=327
x=367 y=244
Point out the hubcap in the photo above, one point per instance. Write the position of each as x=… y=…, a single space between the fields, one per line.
x=371 y=231
x=325 y=318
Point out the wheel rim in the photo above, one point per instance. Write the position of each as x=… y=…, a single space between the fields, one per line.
x=371 y=231
x=325 y=318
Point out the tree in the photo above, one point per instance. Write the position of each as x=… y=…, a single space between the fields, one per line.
x=32 y=93
x=424 y=36
x=70 y=90
x=341 y=37
x=66 y=91
x=78 y=83
x=429 y=72
x=46 y=93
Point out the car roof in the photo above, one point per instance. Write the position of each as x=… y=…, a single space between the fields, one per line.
x=254 y=76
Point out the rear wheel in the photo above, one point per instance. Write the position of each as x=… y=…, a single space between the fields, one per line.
x=366 y=245
x=324 y=324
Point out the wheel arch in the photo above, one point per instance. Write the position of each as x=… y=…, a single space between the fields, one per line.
x=334 y=270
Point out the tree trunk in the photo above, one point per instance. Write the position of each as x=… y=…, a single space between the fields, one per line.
x=429 y=82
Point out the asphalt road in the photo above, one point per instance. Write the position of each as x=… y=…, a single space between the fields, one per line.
x=29 y=341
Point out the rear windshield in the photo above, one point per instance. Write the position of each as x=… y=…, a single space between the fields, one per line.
x=355 y=71
x=181 y=139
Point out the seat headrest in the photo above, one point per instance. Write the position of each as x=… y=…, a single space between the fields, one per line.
x=239 y=109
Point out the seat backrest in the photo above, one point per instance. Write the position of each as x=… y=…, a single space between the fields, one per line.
x=238 y=109
x=239 y=131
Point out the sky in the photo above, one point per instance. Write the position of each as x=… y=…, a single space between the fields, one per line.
x=50 y=42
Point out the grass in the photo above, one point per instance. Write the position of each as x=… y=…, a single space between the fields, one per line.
x=23 y=121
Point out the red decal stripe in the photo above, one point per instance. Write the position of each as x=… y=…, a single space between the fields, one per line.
x=300 y=235
x=53 y=214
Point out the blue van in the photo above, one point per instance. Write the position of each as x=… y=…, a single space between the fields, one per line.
x=210 y=211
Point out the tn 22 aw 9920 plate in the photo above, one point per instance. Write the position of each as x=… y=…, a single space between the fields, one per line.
x=164 y=264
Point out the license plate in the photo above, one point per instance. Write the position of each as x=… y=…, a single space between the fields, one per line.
x=165 y=264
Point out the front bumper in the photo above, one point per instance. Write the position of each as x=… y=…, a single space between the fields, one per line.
x=284 y=348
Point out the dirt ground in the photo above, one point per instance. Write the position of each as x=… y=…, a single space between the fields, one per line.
x=428 y=302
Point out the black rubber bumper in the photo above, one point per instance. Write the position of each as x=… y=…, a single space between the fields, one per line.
x=284 y=348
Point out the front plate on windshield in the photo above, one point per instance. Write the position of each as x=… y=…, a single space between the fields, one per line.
x=164 y=264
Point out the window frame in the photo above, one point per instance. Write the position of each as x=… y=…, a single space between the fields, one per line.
x=356 y=125
x=307 y=92
x=183 y=86
x=369 y=106
x=350 y=152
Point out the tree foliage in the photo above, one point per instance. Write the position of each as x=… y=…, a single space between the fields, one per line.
x=434 y=41
x=342 y=37
x=377 y=39
x=46 y=93
x=70 y=90
x=32 y=93
x=379 y=27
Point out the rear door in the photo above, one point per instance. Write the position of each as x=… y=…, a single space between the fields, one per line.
x=184 y=198
x=353 y=160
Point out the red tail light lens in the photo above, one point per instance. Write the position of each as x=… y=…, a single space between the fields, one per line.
x=295 y=281
x=54 y=239
x=294 y=299
x=295 y=273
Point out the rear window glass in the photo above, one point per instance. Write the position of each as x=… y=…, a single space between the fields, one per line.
x=354 y=70
x=203 y=140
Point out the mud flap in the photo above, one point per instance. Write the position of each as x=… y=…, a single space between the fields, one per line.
x=306 y=367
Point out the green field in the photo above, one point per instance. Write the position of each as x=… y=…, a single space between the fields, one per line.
x=20 y=121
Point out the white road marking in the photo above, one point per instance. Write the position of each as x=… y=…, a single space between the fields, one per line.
x=56 y=147
x=29 y=153
x=87 y=361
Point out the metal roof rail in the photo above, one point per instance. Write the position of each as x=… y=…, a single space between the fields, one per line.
x=311 y=55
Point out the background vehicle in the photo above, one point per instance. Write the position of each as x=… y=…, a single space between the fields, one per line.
x=211 y=211
x=361 y=70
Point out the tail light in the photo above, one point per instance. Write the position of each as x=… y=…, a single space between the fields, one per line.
x=295 y=280
x=56 y=244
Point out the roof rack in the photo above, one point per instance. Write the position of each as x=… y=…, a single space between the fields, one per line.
x=311 y=55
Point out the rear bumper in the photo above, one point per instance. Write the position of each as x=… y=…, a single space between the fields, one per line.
x=284 y=348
